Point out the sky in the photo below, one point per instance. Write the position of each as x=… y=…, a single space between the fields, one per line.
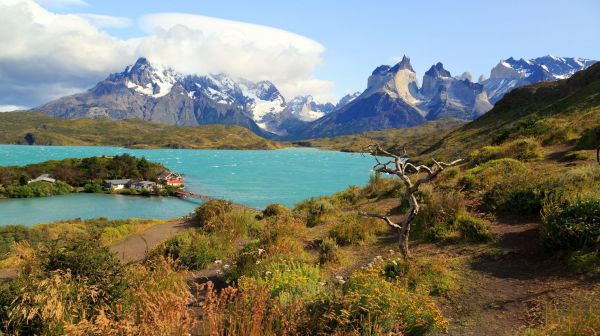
x=52 y=48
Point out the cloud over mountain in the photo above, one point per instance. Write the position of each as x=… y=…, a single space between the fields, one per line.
x=51 y=54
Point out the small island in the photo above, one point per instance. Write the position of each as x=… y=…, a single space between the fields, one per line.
x=121 y=174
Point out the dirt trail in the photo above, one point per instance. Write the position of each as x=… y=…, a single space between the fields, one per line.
x=135 y=247
x=506 y=291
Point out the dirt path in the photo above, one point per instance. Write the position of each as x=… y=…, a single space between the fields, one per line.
x=135 y=247
x=507 y=289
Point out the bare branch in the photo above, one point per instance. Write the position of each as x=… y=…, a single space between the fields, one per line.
x=385 y=218
x=402 y=167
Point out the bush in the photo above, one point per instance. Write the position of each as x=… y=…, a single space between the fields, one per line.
x=89 y=261
x=437 y=214
x=571 y=226
x=275 y=210
x=517 y=199
x=211 y=214
x=590 y=139
x=532 y=126
x=351 y=196
x=355 y=229
x=473 y=229
x=576 y=156
x=392 y=310
x=38 y=189
x=317 y=209
x=93 y=188
x=506 y=185
x=194 y=250
x=288 y=280
x=581 y=316
x=380 y=187
x=521 y=149
x=328 y=251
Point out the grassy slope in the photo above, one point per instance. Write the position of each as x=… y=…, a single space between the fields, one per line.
x=419 y=137
x=566 y=107
x=14 y=126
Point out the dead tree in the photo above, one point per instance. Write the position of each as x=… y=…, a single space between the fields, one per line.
x=401 y=167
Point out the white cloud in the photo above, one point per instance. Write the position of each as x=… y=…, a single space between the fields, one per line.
x=51 y=54
x=107 y=21
x=8 y=108
x=200 y=44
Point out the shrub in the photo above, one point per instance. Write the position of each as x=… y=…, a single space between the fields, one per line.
x=251 y=311
x=584 y=261
x=521 y=149
x=355 y=229
x=571 y=226
x=392 y=310
x=380 y=187
x=532 y=126
x=580 y=317
x=518 y=199
x=590 y=139
x=212 y=214
x=576 y=156
x=506 y=185
x=352 y=195
x=88 y=261
x=395 y=269
x=473 y=229
x=240 y=223
x=93 y=188
x=494 y=172
x=328 y=251
x=194 y=250
x=316 y=210
x=438 y=213
x=288 y=280
x=275 y=210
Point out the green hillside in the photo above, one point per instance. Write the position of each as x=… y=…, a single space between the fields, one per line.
x=562 y=112
x=39 y=129
x=417 y=138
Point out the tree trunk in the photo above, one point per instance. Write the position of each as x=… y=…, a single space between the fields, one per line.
x=404 y=232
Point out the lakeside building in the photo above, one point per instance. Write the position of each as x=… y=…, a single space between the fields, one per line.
x=171 y=179
x=145 y=185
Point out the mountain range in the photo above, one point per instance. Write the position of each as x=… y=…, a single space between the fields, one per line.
x=392 y=99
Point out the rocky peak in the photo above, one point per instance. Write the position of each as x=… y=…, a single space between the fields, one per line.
x=347 y=99
x=438 y=71
x=403 y=64
x=399 y=81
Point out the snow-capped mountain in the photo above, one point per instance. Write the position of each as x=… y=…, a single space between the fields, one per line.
x=305 y=108
x=512 y=73
x=347 y=99
x=156 y=93
x=393 y=99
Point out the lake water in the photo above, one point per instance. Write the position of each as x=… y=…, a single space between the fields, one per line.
x=254 y=178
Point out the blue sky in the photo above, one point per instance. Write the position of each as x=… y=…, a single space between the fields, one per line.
x=357 y=36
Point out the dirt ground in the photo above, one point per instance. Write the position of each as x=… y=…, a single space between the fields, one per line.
x=506 y=288
x=135 y=247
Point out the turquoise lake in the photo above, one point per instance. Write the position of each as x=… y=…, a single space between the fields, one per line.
x=254 y=178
